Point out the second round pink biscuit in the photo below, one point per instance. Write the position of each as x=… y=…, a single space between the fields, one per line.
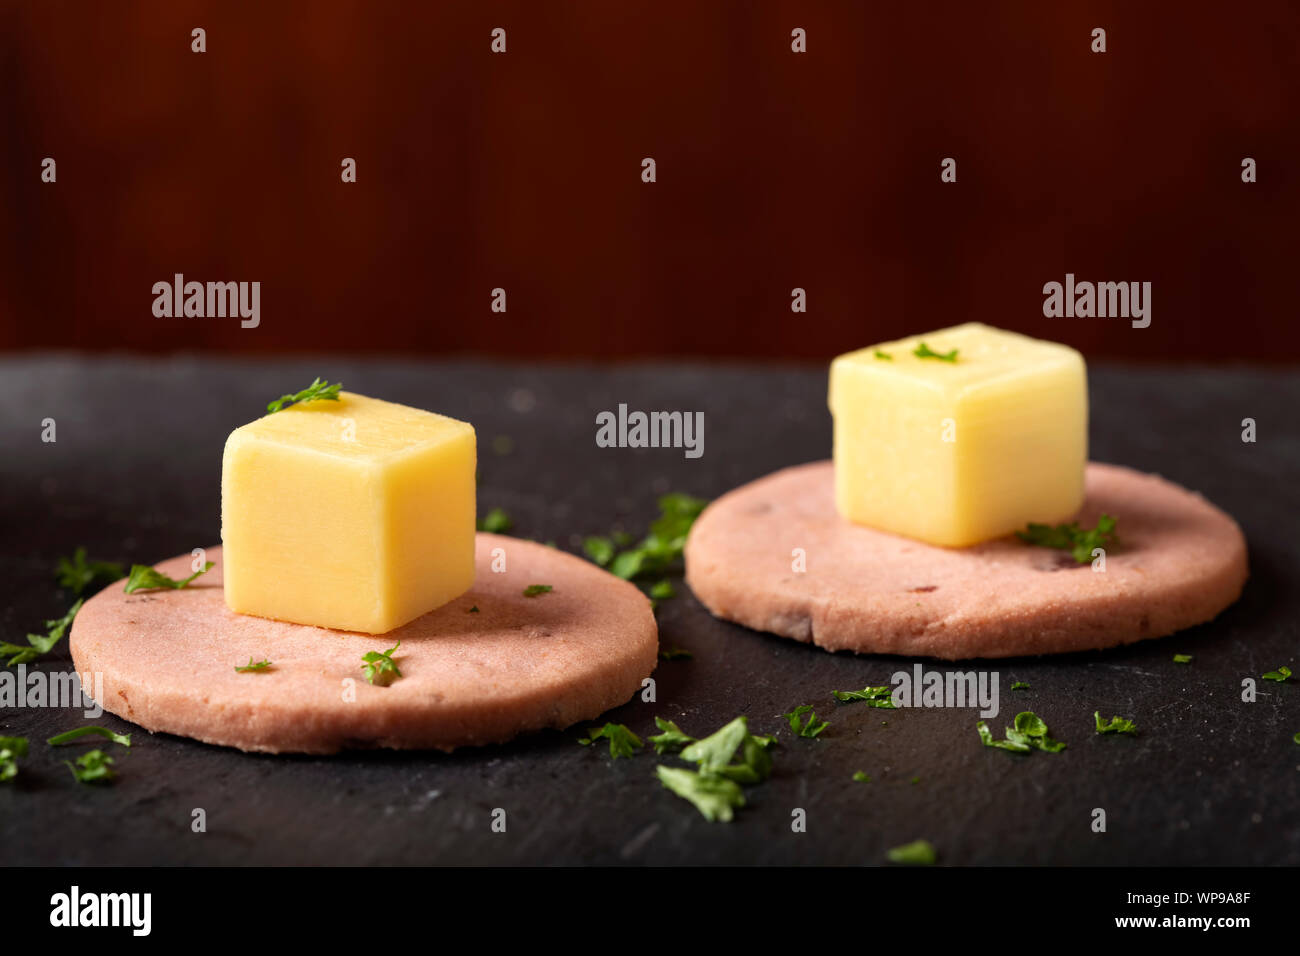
x=1180 y=561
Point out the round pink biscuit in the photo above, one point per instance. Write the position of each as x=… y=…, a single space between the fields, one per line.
x=518 y=664
x=1179 y=561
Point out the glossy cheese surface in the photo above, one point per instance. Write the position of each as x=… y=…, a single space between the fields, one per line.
x=355 y=515
x=955 y=453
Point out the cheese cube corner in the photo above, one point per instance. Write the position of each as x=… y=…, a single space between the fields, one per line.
x=357 y=515
x=958 y=452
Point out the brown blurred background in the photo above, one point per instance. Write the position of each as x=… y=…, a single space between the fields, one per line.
x=522 y=170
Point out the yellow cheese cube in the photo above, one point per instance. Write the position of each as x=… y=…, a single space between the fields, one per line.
x=954 y=453
x=356 y=514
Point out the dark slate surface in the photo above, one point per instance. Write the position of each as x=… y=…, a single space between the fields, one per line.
x=134 y=475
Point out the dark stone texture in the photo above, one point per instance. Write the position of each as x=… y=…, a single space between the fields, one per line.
x=135 y=476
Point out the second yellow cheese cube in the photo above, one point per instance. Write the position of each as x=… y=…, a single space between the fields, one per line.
x=958 y=452
x=356 y=515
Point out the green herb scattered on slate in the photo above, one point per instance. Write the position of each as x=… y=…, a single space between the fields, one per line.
x=11 y=750
x=1279 y=675
x=715 y=753
x=917 y=853
x=317 y=391
x=253 y=667
x=1028 y=733
x=861 y=777
x=675 y=654
x=986 y=737
x=1020 y=685
x=378 y=666
x=77 y=573
x=810 y=727
x=145 y=578
x=1182 y=658
x=662 y=590
x=1296 y=738
x=94 y=766
x=661 y=549
x=1116 y=725
x=495 y=521
x=716 y=750
x=924 y=351
x=1080 y=542
x=38 y=644
x=533 y=590
x=77 y=733
x=873 y=696
x=599 y=548
x=672 y=740
x=622 y=742
x=715 y=797
x=714 y=786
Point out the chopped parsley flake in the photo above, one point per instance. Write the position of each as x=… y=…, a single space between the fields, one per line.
x=1279 y=675
x=861 y=777
x=1020 y=685
x=675 y=654
x=1029 y=732
x=495 y=521
x=69 y=736
x=672 y=740
x=317 y=391
x=924 y=351
x=1116 y=725
x=715 y=753
x=917 y=853
x=714 y=787
x=1182 y=658
x=1080 y=542
x=254 y=666
x=378 y=666
x=883 y=356
x=622 y=742
x=535 y=589
x=77 y=573
x=661 y=549
x=38 y=644
x=599 y=548
x=986 y=737
x=145 y=578
x=94 y=766
x=14 y=748
x=810 y=727
x=714 y=796
x=874 y=696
